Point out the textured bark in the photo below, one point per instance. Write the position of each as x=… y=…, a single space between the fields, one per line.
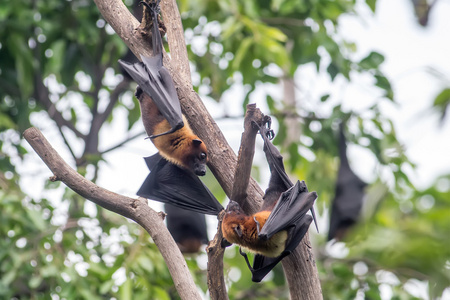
x=301 y=272
x=175 y=37
x=135 y=209
x=215 y=251
x=245 y=159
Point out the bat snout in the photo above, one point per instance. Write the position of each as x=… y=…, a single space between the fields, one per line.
x=200 y=170
x=263 y=236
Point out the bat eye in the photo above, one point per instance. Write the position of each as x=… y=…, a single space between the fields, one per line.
x=238 y=230
x=202 y=155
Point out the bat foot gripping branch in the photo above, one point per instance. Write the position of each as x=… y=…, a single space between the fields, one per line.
x=246 y=259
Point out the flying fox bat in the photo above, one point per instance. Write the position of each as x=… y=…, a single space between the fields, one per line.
x=155 y=79
x=188 y=228
x=161 y=110
x=349 y=194
x=171 y=184
x=277 y=229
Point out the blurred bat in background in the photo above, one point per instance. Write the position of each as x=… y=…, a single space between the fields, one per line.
x=188 y=228
x=349 y=194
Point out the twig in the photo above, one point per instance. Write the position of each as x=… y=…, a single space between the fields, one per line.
x=129 y=138
x=42 y=95
x=135 y=209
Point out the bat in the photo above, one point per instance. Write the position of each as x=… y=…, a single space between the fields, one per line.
x=188 y=228
x=277 y=229
x=349 y=194
x=161 y=113
x=171 y=184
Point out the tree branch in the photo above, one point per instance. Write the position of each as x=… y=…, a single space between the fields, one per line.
x=42 y=95
x=135 y=209
x=222 y=160
x=175 y=37
x=215 y=251
x=126 y=140
x=245 y=159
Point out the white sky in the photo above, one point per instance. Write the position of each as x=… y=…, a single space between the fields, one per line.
x=409 y=50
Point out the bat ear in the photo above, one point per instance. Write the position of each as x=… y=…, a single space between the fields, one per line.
x=197 y=142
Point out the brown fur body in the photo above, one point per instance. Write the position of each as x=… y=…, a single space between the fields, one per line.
x=182 y=147
x=239 y=228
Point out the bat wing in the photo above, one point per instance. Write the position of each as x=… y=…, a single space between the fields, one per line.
x=188 y=228
x=262 y=265
x=155 y=80
x=274 y=158
x=170 y=184
x=279 y=179
x=289 y=210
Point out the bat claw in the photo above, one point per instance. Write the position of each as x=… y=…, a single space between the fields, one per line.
x=268 y=123
x=314 y=218
x=154 y=6
x=246 y=259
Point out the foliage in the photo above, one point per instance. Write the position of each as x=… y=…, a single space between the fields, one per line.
x=58 y=58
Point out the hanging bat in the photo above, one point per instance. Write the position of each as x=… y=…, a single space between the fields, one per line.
x=160 y=107
x=188 y=228
x=349 y=194
x=277 y=229
x=171 y=184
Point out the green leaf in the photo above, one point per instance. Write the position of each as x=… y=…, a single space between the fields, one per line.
x=35 y=281
x=106 y=286
x=242 y=52
x=383 y=83
x=372 y=4
x=324 y=98
x=126 y=290
x=442 y=102
x=231 y=27
x=24 y=66
x=333 y=70
x=372 y=61
x=36 y=218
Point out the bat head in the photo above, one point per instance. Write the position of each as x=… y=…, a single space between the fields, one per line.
x=198 y=158
x=233 y=223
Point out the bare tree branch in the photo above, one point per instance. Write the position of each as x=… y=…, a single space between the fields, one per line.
x=175 y=37
x=215 y=251
x=42 y=95
x=245 y=158
x=126 y=140
x=135 y=209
